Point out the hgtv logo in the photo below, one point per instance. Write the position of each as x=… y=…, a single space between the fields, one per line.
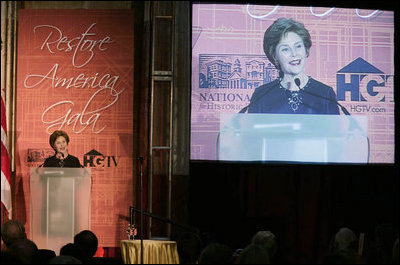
x=361 y=81
x=96 y=159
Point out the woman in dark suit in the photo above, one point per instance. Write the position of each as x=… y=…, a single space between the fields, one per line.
x=59 y=142
x=287 y=44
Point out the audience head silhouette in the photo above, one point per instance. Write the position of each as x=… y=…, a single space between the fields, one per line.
x=12 y=231
x=189 y=248
x=65 y=260
x=87 y=241
x=23 y=251
x=43 y=256
x=253 y=254
x=345 y=240
x=343 y=247
x=267 y=240
x=216 y=253
x=73 y=250
x=336 y=258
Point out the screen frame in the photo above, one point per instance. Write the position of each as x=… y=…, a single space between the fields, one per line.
x=386 y=6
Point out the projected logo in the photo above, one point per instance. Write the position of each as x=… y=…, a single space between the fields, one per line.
x=95 y=159
x=361 y=81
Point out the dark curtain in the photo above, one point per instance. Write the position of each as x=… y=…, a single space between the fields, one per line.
x=303 y=205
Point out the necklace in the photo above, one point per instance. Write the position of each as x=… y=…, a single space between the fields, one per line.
x=294 y=100
x=294 y=97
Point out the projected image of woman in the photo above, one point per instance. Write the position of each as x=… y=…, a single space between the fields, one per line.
x=287 y=45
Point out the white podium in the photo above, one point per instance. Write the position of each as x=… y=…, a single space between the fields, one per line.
x=60 y=205
x=293 y=138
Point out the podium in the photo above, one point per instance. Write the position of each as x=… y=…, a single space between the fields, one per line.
x=154 y=252
x=60 y=205
x=293 y=138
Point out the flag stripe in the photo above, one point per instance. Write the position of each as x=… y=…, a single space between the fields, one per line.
x=5 y=162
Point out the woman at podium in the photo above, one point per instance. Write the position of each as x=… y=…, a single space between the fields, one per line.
x=287 y=45
x=59 y=141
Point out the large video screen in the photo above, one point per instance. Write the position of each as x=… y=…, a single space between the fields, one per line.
x=290 y=84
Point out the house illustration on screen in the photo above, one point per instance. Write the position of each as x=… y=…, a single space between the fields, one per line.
x=235 y=71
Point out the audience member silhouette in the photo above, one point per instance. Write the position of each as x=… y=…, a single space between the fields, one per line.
x=12 y=231
x=345 y=240
x=6 y=257
x=395 y=255
x=43 y=256
x=253 y=254
x=345 y=243
x=88 y=242
x=64 y=260
x=343 y=247
x=266 y=240
x=336 y=258
x=189 y=248
x=216 y=253
x=385 y=236
x=23 y=251
x=73 y=250
x=236 y=254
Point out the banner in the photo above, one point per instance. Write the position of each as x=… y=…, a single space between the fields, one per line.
x=75 y=73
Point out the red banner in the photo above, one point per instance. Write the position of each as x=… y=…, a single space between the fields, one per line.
x=75 y=73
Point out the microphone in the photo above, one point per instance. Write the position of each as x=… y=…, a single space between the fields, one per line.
x=61 y=163
x=345 y=111
x=244 y=109
x=60 y=154
x=297 y=81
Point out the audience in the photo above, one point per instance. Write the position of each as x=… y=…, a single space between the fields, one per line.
x=87 y=241
x=345 y=240
x=73 y=250
x=385 y=236
x=43 y=256
x=23 y=251
x=236 y=254
x=395 y=255
x=12 y=231
x=216 y=253
x=343 y=249
x=189 y=247
x=64 y=260
x=336 y=258
x=267 y=240
x=253 y=254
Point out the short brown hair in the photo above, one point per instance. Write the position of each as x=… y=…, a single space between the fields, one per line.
x=279 y=29
x=55 y=135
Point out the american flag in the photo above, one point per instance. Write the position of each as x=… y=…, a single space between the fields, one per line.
x=5 y=161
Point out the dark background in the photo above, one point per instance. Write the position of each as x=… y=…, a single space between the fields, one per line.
x=303 y=205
